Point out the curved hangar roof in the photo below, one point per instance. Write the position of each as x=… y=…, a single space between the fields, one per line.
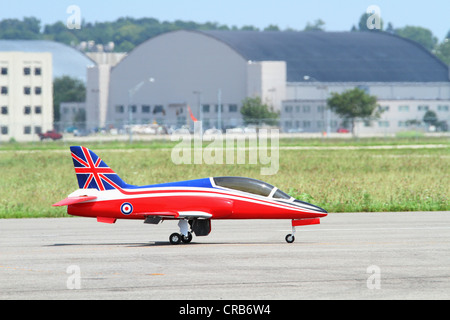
x=339 y=56
x=66 y=60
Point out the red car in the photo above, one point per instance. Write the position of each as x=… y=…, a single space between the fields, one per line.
x=343 y=130
x=50 y=135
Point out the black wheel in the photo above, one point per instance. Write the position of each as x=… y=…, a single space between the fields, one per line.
x=175 y=238
x=290 y=238
x=186 y=239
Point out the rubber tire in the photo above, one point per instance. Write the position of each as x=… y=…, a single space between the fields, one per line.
x=187 y=239
x=290 y=238
x=175 y=238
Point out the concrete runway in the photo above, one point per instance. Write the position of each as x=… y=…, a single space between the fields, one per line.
x=348 y=256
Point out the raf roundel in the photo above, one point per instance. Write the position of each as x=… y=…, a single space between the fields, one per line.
x=126 y=208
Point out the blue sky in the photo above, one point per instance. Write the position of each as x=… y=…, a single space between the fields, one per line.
x=338 y=15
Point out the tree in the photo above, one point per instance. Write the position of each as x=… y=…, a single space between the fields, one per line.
x=418 y=34
x=316 y=26
x=363 y=23
x=430 y=118
x=443 y=51
x=255 y=112
x=67 y=89
x=353 y=105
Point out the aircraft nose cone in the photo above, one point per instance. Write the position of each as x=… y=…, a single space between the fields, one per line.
x=311 y=207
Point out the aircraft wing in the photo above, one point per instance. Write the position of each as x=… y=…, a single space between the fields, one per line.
x=156 y=217
x=73 y=200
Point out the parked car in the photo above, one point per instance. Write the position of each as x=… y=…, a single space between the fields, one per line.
x=343 y=130
x=50 y=135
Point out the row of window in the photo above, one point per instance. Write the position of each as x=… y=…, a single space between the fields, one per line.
x=4 y=110
x=206 y=108
x=26 y=90
x=406 y=108
x=4 y=130
x=304 y=109
x=308 y=124
x=26 y=71
x=321 y=124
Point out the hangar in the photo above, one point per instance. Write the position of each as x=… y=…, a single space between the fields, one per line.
x=295 y=72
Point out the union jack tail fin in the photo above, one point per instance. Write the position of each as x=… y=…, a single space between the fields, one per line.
x=92 y=172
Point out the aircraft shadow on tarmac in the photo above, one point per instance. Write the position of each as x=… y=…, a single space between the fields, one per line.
x=164 y=244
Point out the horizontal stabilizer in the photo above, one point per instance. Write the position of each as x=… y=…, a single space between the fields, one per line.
x=74 y=200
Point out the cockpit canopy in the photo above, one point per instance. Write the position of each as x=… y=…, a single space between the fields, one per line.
x=252 y=186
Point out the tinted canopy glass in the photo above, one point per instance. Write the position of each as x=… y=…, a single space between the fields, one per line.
x=245 y=184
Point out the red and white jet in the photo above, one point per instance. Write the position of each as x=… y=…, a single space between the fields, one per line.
x=105 y=196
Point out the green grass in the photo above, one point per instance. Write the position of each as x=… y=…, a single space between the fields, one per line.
x=35 y=176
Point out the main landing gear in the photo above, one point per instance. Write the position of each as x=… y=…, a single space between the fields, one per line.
x=177 y=238
x=184 y=236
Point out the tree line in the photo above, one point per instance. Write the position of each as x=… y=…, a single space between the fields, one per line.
x=127 y=33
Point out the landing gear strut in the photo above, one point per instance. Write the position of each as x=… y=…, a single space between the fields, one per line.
x=184 y=236
x=290 y=238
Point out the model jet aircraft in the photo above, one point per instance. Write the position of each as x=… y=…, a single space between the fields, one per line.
x=105 y=196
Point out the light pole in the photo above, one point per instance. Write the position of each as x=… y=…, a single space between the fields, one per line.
x=131 y=93
x=200 y=109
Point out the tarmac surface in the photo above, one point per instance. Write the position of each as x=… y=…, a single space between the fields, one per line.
x=348 y=256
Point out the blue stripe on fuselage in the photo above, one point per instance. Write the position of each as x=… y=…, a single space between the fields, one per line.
x=200 y=183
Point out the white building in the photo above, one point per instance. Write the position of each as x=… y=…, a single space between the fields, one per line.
x=26 y=98
x=295 y=72
x=26 y=80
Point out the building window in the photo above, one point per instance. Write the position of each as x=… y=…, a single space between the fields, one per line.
x=217 y=108
x=159 y=109
x=37 y=71
x=443 y=108
x=26 y=71
x=4 y=130
x=306 y=124
x=27 y=90
x=146 y=109
x=38 y=110
x=320 y=108
x=4 y=71
x=403 y=108
x=37 y=129
x=27 y=110
x=383 y=124
x=423 y=108
x=133 y=108
x=4 y=90
x=233 y=108
x=119 y=109
x=383 y=108
x=27 y=130
x=288 y=109
x=306 y=109
x=4 y=110
x=297 y=109
x=37 y=90
x=205 y=108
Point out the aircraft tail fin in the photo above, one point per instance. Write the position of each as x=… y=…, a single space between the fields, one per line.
x=92 y=172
